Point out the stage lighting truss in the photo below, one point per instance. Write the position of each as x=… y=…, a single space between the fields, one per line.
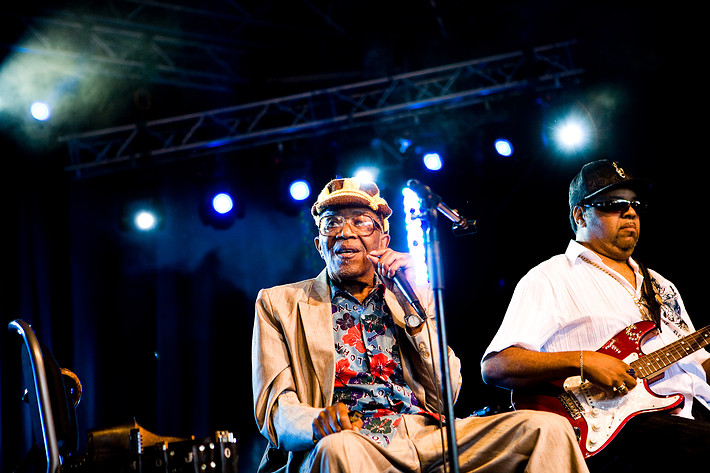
x=121 y=44
x=383 y=100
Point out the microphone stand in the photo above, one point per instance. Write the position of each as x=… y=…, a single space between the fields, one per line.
x=461 y=226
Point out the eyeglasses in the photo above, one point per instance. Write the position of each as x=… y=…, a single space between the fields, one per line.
x=363 y=224
x=618 y=205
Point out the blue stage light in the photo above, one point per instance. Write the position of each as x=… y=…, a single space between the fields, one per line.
x=433 y=161
x=404 y=144
x=503 y=147
x=145 y=220
x=299 y=190
x=222 y=203
x=220 y=206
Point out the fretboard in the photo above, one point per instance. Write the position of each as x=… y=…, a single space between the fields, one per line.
x=656 y=362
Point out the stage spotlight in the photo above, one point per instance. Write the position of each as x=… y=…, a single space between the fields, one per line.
x=143 y=214
x=403 y=144
x=503 y=147
x=40 y=111
x=299 y=190
x=220 y=207
x=222 y=203
x=572 y=135
x=432 y=161
x=145 y=220
x=367 y=174
x=293 y=191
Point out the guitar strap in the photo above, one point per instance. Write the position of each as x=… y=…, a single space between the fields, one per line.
x=651 y=299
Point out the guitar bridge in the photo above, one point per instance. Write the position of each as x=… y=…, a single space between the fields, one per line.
x=571 y=405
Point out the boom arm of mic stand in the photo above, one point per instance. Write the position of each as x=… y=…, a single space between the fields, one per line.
x=461 y=226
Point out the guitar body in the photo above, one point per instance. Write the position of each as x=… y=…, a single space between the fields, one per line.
x=595 y=416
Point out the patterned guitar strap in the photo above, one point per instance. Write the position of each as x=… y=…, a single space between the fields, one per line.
x=651 y=299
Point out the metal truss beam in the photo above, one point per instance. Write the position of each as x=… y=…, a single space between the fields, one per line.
x=167 y=43
x=338 y=108
x=115 y=48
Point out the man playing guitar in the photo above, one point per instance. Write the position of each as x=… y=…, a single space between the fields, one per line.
x=570 y=324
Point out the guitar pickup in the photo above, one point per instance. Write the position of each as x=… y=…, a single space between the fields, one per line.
x=571 y=405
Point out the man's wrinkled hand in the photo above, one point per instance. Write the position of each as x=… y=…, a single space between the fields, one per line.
x=334 y=419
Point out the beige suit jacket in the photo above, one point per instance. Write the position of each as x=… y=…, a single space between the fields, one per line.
x=293 y=363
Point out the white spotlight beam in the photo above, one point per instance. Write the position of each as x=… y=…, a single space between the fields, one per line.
x=338 y=108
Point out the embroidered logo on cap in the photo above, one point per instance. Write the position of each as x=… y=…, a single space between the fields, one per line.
x=619 y=171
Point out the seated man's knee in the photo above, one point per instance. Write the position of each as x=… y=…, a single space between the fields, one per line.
x=345 y=451
x=547 y=422
x=338 y=443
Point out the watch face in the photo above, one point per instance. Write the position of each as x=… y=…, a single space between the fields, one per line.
x=414 y=321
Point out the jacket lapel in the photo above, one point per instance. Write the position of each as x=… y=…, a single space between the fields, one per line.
x=316 y=314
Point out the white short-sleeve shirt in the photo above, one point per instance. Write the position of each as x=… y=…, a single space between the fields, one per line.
x=568 y=304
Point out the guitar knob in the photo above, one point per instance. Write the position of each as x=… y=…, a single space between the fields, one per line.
x=595 y=412
x=596 y=427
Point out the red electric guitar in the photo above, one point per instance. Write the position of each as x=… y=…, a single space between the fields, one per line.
x=597 y=417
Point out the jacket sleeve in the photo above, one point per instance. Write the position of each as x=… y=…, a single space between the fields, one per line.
x=280 y=416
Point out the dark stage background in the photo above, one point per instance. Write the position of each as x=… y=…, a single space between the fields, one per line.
x=158 y=326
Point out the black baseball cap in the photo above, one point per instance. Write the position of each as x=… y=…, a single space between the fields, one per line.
x=602 y=175
x=599 y=176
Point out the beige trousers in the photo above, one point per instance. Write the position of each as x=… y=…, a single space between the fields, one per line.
x=519 y=441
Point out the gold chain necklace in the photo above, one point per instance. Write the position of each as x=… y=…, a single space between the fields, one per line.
x=641 y=307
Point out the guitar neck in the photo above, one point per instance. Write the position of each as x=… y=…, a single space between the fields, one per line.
x=656 y=362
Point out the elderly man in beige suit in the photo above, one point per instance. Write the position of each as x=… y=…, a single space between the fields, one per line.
x=345 y=380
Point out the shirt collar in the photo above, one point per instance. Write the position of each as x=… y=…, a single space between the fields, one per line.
x=378 y=290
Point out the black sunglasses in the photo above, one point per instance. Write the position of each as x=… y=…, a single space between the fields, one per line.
x=617 y=205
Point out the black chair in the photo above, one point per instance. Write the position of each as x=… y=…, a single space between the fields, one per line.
x=52 y=394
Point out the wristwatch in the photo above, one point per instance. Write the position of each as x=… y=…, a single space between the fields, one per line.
x=413 y=320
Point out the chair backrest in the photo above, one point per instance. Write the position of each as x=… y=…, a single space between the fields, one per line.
x=53 y=414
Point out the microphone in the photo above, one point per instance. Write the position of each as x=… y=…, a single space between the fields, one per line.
x=461 y=225
x=401 y=281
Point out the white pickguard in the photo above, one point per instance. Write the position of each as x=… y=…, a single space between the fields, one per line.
x=604 y=414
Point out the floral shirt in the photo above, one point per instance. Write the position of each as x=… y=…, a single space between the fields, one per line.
x=368 y=371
